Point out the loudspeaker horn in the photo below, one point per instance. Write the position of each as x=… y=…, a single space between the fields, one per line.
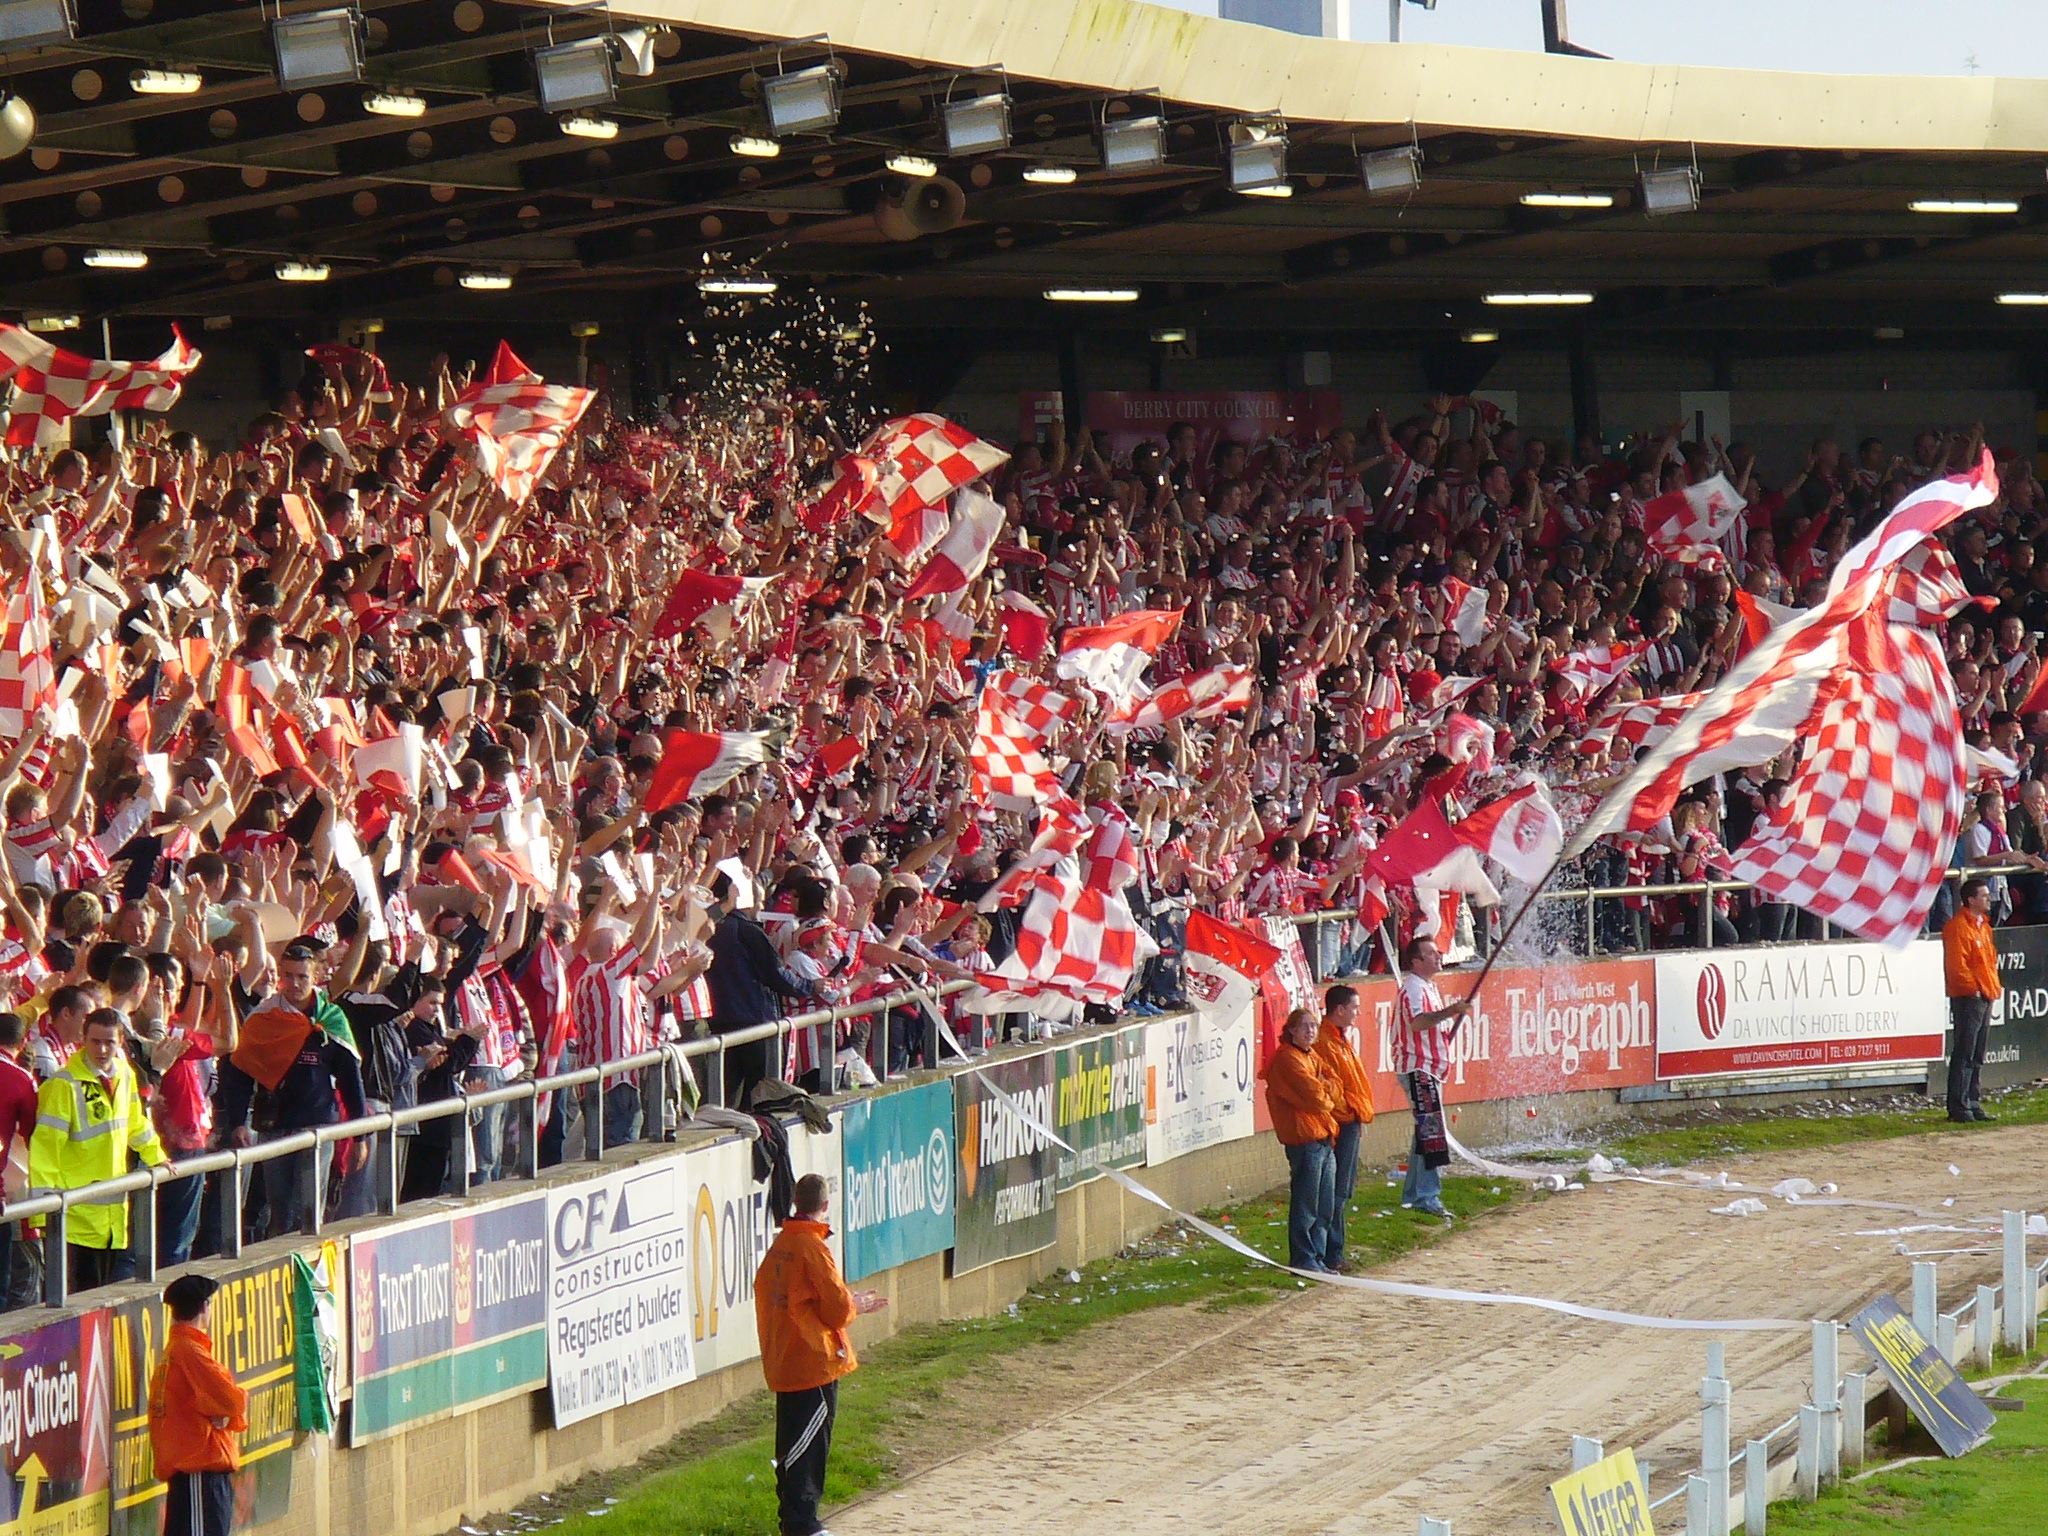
x=930 y=205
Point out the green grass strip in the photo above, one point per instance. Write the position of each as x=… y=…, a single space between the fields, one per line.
x=1777 y=1130
x=1999 y=1489
x=715 y=1479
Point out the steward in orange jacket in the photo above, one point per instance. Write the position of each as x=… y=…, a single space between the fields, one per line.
x=1303 y=1095
x=1353 y=1113
x=196 y=1409
x=802 y=1308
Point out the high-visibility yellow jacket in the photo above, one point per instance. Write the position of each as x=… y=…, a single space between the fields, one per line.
x=85 y=1129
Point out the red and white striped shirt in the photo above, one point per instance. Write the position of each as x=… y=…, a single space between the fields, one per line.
x=610 y=1009
x=1416 y=1049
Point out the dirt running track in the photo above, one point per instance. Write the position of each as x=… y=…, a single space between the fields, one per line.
x=1343 y=1413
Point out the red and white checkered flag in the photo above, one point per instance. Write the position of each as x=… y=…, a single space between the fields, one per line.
x=1586 y=671
x=1863 y=834
x=1062 y=829
x=1008 y=767
x=517 y=423
x=28 y=679
x=1640 y=723
x=1884 y=755
x=1078 y=944
x=1688 y=524
x=921 y=460
x=1034 y=705
x=1199 y=696
x=52 y=385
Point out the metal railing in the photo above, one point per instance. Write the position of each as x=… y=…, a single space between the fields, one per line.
x=383 y=1129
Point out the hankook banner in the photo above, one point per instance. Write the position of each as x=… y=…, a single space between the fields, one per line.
x=1009 y=1177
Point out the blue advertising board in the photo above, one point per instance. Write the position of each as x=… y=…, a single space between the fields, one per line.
x=897 y=1202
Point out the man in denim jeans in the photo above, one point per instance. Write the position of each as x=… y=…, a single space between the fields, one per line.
x=1423 y=1030
x=1303 y=1096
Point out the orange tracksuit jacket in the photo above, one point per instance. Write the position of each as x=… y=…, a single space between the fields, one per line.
x=802 y=1308
x=188 y=1392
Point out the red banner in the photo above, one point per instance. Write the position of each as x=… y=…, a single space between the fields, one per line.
x=1253 y=417
x=1537 y=1031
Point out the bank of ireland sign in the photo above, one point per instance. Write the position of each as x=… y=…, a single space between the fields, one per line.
x=897 y=1202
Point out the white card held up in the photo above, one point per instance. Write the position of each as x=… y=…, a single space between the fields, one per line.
x=156 y=768
x=473 y=638
x=456 y=704
x=621 y=882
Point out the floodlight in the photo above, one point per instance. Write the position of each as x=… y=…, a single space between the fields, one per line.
x=1258 y=156
x=802 y=101
x=28 y=24
x=977 y=125
x=1676 y=190
x=569 y=76
x=318 y=48
x=1391 y=170
x=1136 y=144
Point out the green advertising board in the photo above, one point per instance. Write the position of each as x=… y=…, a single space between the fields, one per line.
x=1099 y=1105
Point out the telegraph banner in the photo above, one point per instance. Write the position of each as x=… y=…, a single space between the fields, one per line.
x=896 y=1204
x=1099 y=1105
x=731 y=1227
x=254 y=1337
x=450 y=1313
x=618 y=1312
x=1008 y=1175
x=1798 y=1008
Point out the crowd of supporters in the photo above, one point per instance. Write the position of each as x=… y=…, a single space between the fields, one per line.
x=199 y=858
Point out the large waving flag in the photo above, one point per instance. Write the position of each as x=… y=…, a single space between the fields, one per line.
x=1639 y=722
x=697 y=763
x=1520 y=832
x=1688 y=524
x=1465 y=610
x=28 y=678
x=1007 y=765
x=516 y=423
x=962 y=554
x=1423 y=850
x=1876 y=800
x=1198 y=696
x=1112 y=656
x=1586 y=672
x=1078 y=944
x=52 y=385
x=920 y=461
x=698 y=595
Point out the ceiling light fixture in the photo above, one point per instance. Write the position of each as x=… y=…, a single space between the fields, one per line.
x=111 y=259
x=755 y=286
x=2029 y=300
x=481 y=281
x=394 y=104
x=1051 y=175
x=1170 y=335
x=1283 y=190
x=755 y=147
x=303 y=272
x=1092 y=295
x=1531 y=300
x=802 y=101
x=165 y=82
x=1479 y=337
x=1567 y=199
x=976 y=126
x=47 y=322
x=318 y=48
x=1135 y=144
x=912 y=165
x=586 y=125
x=1964 y=205
x=570 y=76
